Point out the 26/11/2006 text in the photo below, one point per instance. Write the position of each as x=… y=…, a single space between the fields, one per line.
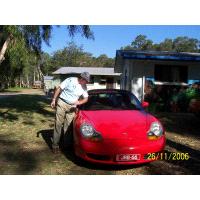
x=167 y=156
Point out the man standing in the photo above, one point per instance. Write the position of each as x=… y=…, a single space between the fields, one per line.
x=67 y=96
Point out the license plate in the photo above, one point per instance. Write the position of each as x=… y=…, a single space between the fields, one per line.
x=127 y=157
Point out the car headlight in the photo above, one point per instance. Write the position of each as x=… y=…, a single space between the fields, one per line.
x=87 y=130
x=155 y=130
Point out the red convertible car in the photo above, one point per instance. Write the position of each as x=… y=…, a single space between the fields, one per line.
x=113 y=128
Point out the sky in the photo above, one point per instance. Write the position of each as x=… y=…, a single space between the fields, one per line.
x=110 y=38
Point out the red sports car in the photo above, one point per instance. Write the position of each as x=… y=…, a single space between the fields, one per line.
x=113 y=128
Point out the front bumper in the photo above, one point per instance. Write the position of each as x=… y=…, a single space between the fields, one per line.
x=106 y=152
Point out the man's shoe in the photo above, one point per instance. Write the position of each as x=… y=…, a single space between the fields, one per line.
x=55 y=149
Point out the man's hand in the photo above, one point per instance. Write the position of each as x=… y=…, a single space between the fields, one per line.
x=80 y=102
x=77 y=103
x=53 y=103
x=55 y=96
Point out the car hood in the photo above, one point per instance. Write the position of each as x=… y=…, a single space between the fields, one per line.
x=118 y=124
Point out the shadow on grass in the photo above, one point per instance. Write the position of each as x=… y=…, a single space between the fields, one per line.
x=14 y=160
x=181 y=123
x=172 y=164
x=193 y=164
x=24 y=103
x=47 y=136
x=183 y=148
x=7 y=115
x=10 y=91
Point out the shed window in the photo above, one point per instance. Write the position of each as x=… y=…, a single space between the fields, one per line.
x=170 y=73
x=102 y=81
x=91 y=80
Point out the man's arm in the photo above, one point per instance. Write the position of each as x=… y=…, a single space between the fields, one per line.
x=55 y=96
x=82 y=101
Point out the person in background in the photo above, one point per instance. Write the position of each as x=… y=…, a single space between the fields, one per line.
x=66 y=97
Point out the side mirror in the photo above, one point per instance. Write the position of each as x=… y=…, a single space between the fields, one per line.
x=145 y=104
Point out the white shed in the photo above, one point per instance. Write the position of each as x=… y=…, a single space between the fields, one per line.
x=163 y=68
x=101 y=77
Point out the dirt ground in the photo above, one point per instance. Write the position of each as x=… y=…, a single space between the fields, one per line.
x=26 y=128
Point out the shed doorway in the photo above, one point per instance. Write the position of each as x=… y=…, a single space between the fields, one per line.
x=110 y=83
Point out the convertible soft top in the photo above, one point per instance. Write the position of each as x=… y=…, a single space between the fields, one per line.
x=97 y=91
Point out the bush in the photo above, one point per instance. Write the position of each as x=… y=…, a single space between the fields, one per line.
x=172 y=98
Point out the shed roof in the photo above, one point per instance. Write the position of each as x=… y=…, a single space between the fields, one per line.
x=158 y=55
x=48 y=77
x=91 y=70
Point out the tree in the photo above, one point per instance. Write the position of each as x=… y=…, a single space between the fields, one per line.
x=75 y=56
x=179 y=44
x=23 y=38
x=69 y=56
x=142 y=43
x=128 y=47
x=20 y=50
x=104 y=61
x=33 y=36
x=46 y=63
x=166 y=45
x=185 y=44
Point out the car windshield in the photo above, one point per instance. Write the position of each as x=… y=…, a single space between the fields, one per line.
x=115 y=100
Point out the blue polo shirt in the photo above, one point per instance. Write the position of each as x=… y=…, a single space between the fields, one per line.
x=72 y=90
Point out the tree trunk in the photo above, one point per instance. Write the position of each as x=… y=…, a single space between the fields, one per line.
x=20 y=81
x=3 y=49
x=27 y=81
x=38 y=76
x=34 y=76
x=40 y=72
x=41 y=75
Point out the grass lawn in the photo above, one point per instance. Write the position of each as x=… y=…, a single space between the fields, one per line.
x=26 y=123
x=26 y=127
x=13 y=89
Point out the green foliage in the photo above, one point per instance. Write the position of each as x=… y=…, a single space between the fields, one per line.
x=185 y=44
x=23 y=54
x=141 y=42
x=33 y=35
x=84 y=30
x=192 y=93
x=166 y=45
x=74 y=56
x=18 y=53
x=179 y=44
x=46 y=63
x=128 y=47
x=104 y=61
